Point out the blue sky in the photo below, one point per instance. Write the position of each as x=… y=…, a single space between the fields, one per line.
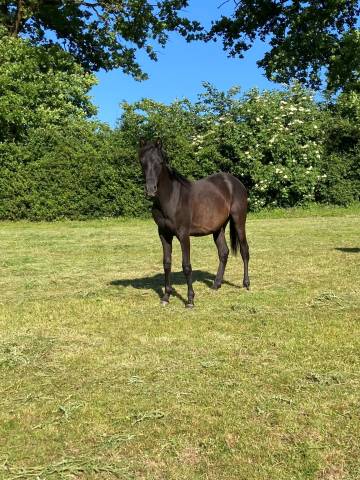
x=181 y=68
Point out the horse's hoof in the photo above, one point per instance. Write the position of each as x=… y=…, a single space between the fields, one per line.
x=216 y=286
x=189 y=305
x=163 y=303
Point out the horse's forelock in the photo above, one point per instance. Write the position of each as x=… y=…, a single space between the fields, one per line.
x=153 y=145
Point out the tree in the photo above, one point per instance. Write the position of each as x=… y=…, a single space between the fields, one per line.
x=305 y=38
x=344 y=69
x=39 y=87
x=98 y=33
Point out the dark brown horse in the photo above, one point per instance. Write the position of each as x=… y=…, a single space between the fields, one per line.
x=183 y=208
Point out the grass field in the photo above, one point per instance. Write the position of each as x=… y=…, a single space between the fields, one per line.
x=98 y=381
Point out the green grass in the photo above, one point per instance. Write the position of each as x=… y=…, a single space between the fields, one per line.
x=97 y=381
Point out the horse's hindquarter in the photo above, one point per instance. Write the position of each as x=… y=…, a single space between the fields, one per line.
x=210 y=203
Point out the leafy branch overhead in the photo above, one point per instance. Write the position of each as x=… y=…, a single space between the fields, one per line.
x=99 y=33
x=306 y=39
x=314 y=42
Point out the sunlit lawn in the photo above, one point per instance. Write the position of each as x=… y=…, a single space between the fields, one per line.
x=97 y=380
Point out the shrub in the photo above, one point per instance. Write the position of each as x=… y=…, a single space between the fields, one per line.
x=340 y=166
x=72 y=172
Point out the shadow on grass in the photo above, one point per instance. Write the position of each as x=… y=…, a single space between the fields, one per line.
x=156 y=282
x=348 y=249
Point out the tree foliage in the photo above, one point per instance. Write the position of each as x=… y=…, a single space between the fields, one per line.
x=98 y=33
x=39 y=87
x=305 y=37
x=344 y=67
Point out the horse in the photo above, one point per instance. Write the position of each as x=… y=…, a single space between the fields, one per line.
x=185 y=208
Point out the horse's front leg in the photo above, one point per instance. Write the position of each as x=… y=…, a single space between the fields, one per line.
x=185 y=248
x=166 y=240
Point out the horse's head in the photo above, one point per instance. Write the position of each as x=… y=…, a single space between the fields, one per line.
x=152 y=161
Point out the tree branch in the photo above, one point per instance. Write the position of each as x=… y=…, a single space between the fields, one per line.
x=227 y=1
x=93 y=6
x=19 y=12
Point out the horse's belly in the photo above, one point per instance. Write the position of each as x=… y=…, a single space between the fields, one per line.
x=209 y=217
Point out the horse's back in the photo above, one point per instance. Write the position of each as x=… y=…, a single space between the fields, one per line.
x=225 y=183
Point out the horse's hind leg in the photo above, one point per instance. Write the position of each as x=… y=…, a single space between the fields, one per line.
x=239 y=220
x=244 y=250
x=223 y=252
x=166 y=240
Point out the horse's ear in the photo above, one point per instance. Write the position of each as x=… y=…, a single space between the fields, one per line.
x=142 y=142
x=158 y=142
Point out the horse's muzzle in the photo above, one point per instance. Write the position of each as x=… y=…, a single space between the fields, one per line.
x=151 y=191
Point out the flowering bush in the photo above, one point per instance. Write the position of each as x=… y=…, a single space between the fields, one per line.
x=272 y=141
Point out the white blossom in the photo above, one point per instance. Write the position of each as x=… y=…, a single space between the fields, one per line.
x=272 y=139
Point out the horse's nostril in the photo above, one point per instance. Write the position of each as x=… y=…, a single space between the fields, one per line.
x=151 y=191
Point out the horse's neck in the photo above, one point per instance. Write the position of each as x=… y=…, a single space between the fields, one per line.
x=168 y=191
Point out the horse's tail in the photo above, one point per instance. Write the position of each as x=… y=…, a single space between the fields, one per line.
x=234 y=238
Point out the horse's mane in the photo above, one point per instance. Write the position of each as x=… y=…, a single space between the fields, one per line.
x=174 y=174
x=179 y=177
